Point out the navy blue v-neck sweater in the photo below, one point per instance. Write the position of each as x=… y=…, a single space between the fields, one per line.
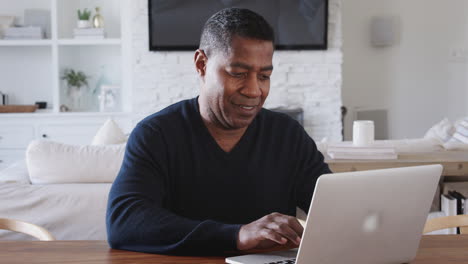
x=178 y=192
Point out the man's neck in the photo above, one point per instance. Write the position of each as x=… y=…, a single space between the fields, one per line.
x=226 y=138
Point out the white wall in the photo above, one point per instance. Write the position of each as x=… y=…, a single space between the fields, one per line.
x=417 y=79
x=307 y=79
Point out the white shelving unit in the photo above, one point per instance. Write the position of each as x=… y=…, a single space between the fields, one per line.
x=19 y=43
x=86 y=42
x=30 y=70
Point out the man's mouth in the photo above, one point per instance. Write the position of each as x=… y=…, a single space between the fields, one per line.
x=246 y=107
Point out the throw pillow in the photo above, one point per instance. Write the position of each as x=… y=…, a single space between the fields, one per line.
x=459 y=140
x=441 y=131
x=51 y=162
x=110 y=133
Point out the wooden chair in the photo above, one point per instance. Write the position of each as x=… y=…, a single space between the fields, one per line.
x=26 y=228
x=447 y=222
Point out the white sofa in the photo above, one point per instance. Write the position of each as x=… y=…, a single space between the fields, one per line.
x=69 y=211
x=63 y=188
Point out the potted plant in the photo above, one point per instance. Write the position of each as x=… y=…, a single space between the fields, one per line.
x=75 y=81
x=83 y=18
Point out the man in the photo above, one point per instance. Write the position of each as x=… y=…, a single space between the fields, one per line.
x=217 y=173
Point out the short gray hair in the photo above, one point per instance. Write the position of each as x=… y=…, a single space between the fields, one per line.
x=219 y=29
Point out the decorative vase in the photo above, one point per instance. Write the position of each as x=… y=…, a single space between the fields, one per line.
x=83 y=24
x=98 y=20
x=75 y=94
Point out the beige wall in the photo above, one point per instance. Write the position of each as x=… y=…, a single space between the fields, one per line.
x=417 y=79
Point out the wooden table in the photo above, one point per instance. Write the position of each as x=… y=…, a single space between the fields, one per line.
x=433 y=250
x=455 y=162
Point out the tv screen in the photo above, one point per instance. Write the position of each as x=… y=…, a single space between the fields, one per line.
x=298 y=24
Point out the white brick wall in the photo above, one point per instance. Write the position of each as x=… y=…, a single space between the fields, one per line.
x=310 y=80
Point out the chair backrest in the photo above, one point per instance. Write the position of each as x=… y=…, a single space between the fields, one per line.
x=26 y=228
x=452 y=221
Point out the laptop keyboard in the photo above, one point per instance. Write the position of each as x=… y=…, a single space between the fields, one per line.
x=287 y=261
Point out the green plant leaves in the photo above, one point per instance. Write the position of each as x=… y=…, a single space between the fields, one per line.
x=75 y=78
x=84 y=15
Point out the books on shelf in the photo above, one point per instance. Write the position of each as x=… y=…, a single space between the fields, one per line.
x=461 y=201
x=346 y=150
x=39 y=18
x=454 y=200
x=448 y=205
x=459 y=191
x=437 y=214
x=89 y=33
x=32 y=32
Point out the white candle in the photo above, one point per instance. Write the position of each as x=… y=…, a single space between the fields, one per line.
x=363 y=132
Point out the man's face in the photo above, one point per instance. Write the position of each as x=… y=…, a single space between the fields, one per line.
x=236 y=84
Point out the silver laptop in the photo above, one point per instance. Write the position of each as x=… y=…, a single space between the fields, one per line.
x=362 y=217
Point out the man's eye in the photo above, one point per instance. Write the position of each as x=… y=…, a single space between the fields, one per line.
x=264 y=77
x=237 y=74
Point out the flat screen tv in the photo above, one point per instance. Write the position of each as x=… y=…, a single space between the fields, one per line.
x=298 y=24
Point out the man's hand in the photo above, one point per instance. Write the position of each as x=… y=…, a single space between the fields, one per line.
x=269 y=231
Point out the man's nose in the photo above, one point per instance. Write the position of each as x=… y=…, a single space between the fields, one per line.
x=251 y=87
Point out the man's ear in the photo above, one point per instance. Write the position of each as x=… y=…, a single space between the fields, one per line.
x=200 y=60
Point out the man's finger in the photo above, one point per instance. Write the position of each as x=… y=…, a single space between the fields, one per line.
x=273 y=236
x=286 y=231
x=296 y=226
x=292 y=222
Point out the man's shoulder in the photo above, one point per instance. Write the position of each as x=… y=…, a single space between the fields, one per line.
x=171 y=115
x=275 y=119
x=273 y=125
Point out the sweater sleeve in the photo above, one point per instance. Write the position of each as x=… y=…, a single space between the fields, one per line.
x=311 y=166
x=137 y=219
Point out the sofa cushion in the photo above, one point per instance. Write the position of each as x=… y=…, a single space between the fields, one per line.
x=51 y=162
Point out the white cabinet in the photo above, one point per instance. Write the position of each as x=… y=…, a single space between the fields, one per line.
x=80 y=134
x=15 y=136
x=8 y=157
x=31 y=70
